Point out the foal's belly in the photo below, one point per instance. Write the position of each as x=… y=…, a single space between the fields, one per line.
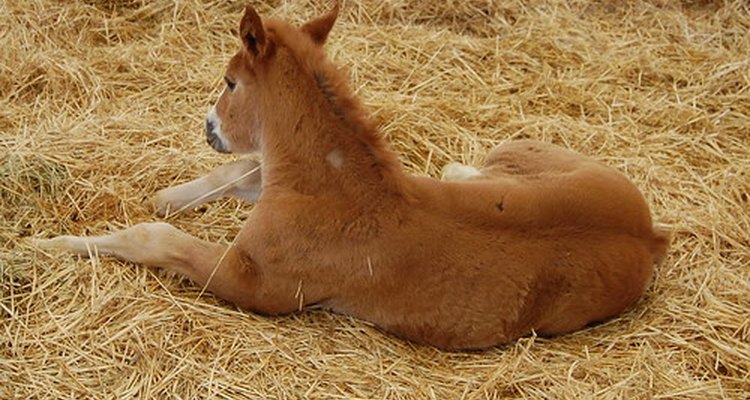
x=494 y=291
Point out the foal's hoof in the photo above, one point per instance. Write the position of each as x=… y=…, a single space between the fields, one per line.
x=161 y=205
x=73 y=244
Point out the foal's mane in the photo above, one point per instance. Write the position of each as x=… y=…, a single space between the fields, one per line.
x=334 y=86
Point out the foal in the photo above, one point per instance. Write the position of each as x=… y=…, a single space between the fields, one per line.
x=540 y=238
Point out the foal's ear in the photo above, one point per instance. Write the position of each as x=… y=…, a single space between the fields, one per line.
x=318 y=28
x=251 y=32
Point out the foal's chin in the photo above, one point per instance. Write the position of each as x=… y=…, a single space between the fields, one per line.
x=219 y=149
x=217 y=142
x=253 y=154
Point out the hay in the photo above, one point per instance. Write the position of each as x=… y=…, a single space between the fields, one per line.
x=102 y=103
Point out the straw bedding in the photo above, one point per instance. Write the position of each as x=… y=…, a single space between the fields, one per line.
x=102 y=103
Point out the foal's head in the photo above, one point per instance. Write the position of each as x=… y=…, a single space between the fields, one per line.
x=235 y=123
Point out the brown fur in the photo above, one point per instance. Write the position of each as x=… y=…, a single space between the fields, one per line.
x=544 y=239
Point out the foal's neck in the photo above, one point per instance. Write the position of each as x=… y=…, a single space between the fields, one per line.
x=313 y=145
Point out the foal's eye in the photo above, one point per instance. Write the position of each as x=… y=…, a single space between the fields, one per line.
x=230 y=83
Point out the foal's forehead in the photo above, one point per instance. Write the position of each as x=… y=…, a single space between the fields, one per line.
x=237 y=63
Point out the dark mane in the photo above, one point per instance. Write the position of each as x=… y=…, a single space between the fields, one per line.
x=329 y=94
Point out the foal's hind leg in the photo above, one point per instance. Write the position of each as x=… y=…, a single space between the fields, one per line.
x=520 y=157
x=530 y=157
x=240 y=179
x=218 y=268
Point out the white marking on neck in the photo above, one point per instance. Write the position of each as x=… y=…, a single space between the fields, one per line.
x=335 y=158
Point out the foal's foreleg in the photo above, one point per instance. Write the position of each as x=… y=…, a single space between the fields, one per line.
x=218 y=268
x=240 y=179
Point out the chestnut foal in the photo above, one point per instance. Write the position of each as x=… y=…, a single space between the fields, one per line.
x=540 y=238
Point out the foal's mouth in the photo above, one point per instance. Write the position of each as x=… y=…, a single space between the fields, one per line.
x=213 y=139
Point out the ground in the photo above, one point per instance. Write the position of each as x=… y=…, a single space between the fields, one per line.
x=102 y=103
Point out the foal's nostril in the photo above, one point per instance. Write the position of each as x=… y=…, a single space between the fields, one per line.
x=209 y=127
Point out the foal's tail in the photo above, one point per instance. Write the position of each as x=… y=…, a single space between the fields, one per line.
x=660 y=240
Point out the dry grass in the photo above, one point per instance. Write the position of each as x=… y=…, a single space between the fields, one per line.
x=102 y=102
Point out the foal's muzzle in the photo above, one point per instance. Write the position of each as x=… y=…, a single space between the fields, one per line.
x=213 y=139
